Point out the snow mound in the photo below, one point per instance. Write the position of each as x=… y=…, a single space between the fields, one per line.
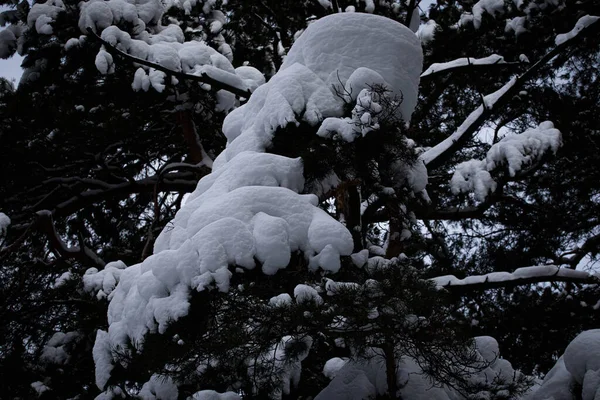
x=338 y=44
x=579 y=367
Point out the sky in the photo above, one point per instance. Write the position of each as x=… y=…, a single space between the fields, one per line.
x=11 y=68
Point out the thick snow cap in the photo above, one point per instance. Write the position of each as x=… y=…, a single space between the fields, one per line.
x=335 y=46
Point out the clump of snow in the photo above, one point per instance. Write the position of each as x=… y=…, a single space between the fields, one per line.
x=102 y=283
x=492 y=7
x=518 y=25
x=471 y=176
x=333 y=365
x=305 y=293
x=39 y=387
x=513 y=152
x=104 y=62
x=55 y=351
x=8 y=41
x=4 y=223
x=517 y=151
x=335 y=46
x=426 y=32
x=251 y=77
x=581 y=24
x=42 y=15
x=365 y=118
x=280 y=300
x=159 y=387
x=164 y=45
x=62 y=279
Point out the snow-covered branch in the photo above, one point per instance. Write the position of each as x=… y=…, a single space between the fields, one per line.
x=521 y=276
x=466 y=63
x=204 y=77
x=492 y=102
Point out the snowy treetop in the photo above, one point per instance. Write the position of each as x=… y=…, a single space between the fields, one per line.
x=249 y=207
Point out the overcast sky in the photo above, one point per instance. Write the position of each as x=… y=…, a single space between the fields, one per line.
x=11 y=68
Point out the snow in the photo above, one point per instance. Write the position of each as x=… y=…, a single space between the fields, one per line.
x=305 y=293
x=291 y=92
x=280 y=300
x=365 y=117
x=517 y=151
x=537 y=271
x=581 y=24
x=557 y=384
x=163 y=45
x=250 y=208
x=492 y=7
x=426 y=32
x=4 y=223
x=578 y=367
x=8 y=41
x=104 y=62
x=39 y=387
x=62 y=279
x=41 y=15
x=333 y=365
x=488 y=348
x=212 y=395
x=360 y=259
x=471 y=176
x=159 y=387
x=335 y=46
x=516 y=25
x=513 y=152
x=251 y=77
x=462 y=62
x=54 y=351
x=583 y=355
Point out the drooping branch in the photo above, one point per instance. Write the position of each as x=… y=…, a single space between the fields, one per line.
x=435 y=156
x=203 y=77
x=172 y=182
x=81 y=253
x=521 y=276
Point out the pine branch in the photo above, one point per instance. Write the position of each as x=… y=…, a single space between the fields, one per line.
x=435 y=156
x=172 y=182
x=81 y=253
x=203 y=78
